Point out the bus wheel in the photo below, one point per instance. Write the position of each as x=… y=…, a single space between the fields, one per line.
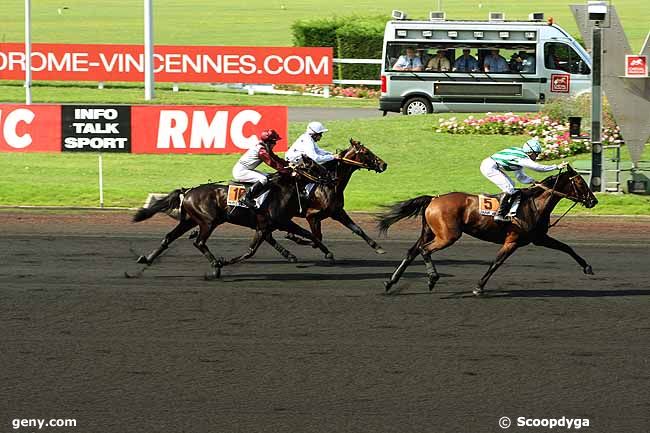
x=417 y=105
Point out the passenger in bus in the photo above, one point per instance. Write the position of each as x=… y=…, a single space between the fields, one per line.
x=408 y=62
x=522 y=62
x=423 y=55
x=440 y=63
x=466 y=62
x=494 y=62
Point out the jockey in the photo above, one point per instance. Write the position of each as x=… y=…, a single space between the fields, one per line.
x=244 y=169
x=306 y=145
x=514 y=159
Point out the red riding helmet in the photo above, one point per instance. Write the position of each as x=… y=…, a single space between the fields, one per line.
x=270 y=136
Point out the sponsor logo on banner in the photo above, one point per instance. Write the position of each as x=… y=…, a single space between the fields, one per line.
x=204 y=130
x=30 y=128
x=88 y=128
x=560 y=83
x=188 y=64
x=636 y=66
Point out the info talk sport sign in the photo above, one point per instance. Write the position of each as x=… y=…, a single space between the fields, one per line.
x=137 y=129
x=172 y=64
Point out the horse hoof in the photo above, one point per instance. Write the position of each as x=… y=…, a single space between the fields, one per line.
x=292 y=259
x=380 y=250
x=330 y=257
x=387 y=285
x=143 y=260
x=478 y=291
x=587 y=270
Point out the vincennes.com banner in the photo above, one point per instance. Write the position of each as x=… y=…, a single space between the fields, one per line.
x=172 y=64
x=137 y=129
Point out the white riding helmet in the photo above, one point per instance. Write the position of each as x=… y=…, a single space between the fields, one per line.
x=532 y=145
x=316 y=128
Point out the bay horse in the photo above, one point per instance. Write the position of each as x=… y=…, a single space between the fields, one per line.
x=206 y=206
x=328 y=200
x=445 y=218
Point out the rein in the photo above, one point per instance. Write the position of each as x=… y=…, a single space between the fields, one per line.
x=353 y=162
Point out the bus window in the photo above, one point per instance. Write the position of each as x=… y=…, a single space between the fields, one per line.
x=564 y=58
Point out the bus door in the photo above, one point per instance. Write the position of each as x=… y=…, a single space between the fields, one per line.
x=568 y=73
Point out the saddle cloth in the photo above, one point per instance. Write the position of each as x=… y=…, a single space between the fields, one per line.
x=489 y=204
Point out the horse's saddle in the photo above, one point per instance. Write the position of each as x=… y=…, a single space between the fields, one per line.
x=488 y=204
x=237 y=190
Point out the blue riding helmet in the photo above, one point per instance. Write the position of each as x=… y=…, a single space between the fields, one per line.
x=532 y=146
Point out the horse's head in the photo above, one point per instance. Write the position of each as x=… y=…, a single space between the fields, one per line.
x=573 y=186
x=359 y=155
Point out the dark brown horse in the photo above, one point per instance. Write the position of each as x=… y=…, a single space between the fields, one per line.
x=206 y=206
x=445 y=218
x=328 y=199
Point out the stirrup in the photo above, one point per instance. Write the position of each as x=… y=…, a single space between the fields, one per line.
x=248 y=202
x=498 y=217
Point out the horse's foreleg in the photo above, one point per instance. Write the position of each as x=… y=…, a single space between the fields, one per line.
x=506 y=251
x=294 y=228
x=549 y=242
x=432 y=272
x=257 y=240
x=170 y=237
x=342 y=217
x=279 y=248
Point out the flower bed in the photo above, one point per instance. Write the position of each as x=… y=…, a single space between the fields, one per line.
x=554 y=135
x=343 y=92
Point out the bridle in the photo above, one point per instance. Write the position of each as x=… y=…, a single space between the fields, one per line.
x=577 y=198
x=358 y=163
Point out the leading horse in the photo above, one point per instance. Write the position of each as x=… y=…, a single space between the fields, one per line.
x=445 y=218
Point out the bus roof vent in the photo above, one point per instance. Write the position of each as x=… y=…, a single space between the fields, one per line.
x=398 y=15
x=437 y=16
x=497 y=16
x=536 y=16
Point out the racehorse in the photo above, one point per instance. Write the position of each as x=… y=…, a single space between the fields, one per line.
x=445 y=218
x=206 y=206
x=328 y=199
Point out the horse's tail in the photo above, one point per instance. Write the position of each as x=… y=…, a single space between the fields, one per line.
x=165 y=204
x=401 y=210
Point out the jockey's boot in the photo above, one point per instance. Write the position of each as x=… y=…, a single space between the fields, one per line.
x=504 y=207
x=256 y=190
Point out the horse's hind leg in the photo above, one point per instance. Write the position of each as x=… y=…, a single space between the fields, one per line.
x=279 y=248
x=432 y=272
x=205 y=230
x=410 y=255
x=342 y=217
x=170 y=237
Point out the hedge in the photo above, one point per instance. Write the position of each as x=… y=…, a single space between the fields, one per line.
x=352 y=37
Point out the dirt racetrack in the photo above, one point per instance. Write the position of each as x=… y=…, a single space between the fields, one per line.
x=314 y=347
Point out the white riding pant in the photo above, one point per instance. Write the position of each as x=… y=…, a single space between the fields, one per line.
x=490 y=170
x=242 y=174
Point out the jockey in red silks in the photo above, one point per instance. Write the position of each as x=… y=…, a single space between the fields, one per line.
x=262 y=152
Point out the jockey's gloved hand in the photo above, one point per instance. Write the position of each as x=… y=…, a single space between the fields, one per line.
x=562 y=165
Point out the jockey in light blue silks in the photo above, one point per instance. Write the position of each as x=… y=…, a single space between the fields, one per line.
x=514 y=159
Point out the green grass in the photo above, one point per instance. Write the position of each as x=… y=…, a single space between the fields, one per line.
x=419 y=162
x=188 y=95
x=255 y=22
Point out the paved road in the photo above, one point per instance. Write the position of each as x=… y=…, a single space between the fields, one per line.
x=311 y=347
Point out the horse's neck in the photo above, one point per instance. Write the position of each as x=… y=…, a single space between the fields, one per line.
x=543 y=205
x=343 y=174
